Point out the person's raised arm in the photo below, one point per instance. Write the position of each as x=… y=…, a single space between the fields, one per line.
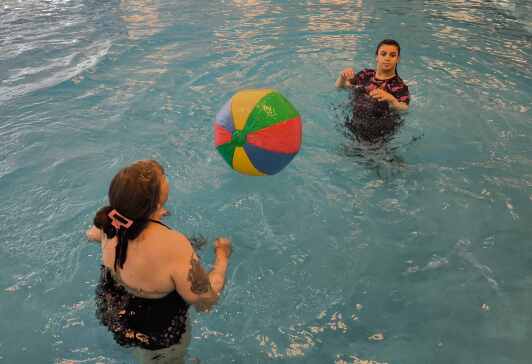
x=193 y=283
x=345 y=77
x=222 y=251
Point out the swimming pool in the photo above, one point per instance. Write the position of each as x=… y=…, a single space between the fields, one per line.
x=415 y=253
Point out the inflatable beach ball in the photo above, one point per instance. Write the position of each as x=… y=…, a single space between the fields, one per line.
x=258 y=132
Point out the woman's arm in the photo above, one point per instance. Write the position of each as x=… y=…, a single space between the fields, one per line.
x=382 y=95
x=398 y=105
x=222 y=251
x=193 y=283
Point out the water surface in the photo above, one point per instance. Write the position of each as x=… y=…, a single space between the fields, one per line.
x=423 y=244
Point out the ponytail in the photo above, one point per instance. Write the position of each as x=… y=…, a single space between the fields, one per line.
x=134 y=195
x=103 y=222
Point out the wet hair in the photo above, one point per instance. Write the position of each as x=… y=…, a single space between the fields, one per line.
x=135 y=193
x=388 y=42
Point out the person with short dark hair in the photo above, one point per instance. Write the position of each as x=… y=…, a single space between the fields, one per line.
x=150 y=273
x=383 y=84
x=378 y=94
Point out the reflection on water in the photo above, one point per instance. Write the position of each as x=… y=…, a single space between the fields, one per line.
x=491 y=29
x=335 y=24
x=141 y=18
x=254 y=8
x=252 y=27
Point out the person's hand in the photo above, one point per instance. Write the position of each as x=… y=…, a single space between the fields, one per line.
x=381 y=95
x=93 y=234
x=223 y=246
x=347 y=74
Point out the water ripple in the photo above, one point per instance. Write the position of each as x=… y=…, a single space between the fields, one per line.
x=48 y=42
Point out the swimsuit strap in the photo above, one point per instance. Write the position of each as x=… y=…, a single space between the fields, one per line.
x=160 y=223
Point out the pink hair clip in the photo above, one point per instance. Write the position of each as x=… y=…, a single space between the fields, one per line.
x=118 y=220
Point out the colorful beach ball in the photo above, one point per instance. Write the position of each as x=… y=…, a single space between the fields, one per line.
x=258 y=132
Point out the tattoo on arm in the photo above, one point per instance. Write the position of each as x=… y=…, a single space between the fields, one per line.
x=198 y=242
x=199 y=281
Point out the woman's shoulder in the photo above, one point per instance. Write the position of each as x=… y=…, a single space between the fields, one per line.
x=173 y=236
x=179 y=243
x=167 y=241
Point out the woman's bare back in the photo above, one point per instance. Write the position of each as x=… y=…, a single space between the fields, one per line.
x=151 y=259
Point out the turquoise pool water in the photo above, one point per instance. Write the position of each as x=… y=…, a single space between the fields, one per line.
x=415 y=253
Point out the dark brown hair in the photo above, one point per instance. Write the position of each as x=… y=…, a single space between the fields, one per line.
x=135 y=193
x=388 y=42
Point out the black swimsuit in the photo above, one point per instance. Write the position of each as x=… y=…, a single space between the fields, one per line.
x=135 y=321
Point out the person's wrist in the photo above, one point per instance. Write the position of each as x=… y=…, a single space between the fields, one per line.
x=222 y=257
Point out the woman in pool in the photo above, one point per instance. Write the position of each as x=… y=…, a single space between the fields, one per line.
x=150 y=274
x=377 y=94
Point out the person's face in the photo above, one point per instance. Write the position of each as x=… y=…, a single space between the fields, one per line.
x=387 y=58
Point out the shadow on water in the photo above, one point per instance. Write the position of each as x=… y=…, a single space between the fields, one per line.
x=372 y=140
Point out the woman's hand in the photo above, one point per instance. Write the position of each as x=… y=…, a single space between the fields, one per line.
x=347 y=74
x=344 y=80
x=222 y=246
x=380 y=95
x=94 y=234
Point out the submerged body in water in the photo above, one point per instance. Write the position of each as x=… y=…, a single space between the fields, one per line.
x=373 y=120
x=369 y=120
x=378 y=95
